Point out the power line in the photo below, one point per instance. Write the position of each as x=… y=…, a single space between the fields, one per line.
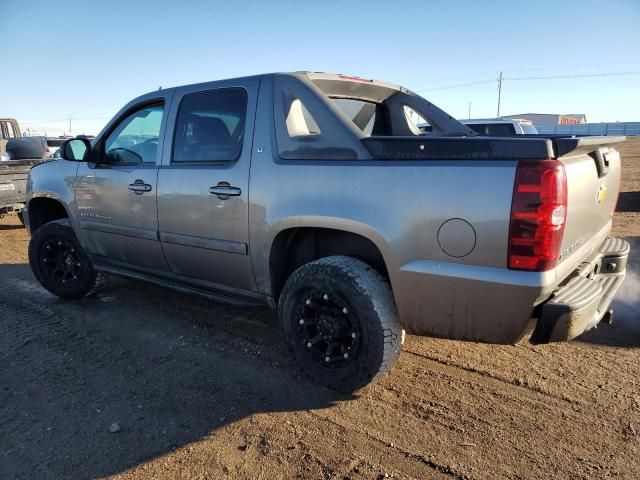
x=566 y=67
x=425 y=86
x=581 y=75
x=43 y=121
x=569 y=67
x=60 y=120
x=547 y=77
x=437 y=81
x=458 y=85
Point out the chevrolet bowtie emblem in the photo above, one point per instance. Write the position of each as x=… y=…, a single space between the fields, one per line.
x=602 y=194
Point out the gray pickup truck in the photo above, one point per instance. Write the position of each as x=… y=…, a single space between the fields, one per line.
x=17 y=155
x=318 y=195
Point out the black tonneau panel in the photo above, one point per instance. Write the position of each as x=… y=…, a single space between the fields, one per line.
x=526 y=147
x=461 y=148
x=578 y=145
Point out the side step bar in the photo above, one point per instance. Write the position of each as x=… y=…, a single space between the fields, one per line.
x=236 y=298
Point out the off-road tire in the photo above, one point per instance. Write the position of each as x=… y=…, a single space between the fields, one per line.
x=81 y=281
x=369 y=298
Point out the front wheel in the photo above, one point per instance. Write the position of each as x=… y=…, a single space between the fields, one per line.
x=340 y=322
x=59 y=262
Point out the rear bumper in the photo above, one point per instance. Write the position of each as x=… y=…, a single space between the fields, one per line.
x=582 y=301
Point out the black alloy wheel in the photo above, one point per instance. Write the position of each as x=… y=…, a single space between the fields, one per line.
x=59 y=262
x=328 y=329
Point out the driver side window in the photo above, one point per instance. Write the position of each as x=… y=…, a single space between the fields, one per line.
x=135 y=139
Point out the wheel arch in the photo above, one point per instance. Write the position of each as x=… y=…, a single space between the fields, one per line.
x=44 y=209
x=297 y=245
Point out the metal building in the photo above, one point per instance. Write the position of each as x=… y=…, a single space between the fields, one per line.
x=551 y=119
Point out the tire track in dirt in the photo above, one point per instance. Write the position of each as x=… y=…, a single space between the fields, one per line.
x=437 y=363
x=49 y=355
x=498 y=419
x=439 y=468
x=13 y=334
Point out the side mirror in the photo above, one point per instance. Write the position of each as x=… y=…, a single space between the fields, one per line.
x=75 y=149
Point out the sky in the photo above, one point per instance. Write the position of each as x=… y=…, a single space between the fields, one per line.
x=85 y=59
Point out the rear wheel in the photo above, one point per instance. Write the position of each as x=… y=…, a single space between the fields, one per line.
x=340 y=322
x=59 y=262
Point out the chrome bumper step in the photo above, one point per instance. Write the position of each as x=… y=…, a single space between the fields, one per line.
x=582 y=302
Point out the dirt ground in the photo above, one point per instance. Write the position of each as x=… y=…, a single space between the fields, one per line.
x=140 y=382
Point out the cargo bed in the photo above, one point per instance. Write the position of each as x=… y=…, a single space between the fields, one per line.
x=13 y=183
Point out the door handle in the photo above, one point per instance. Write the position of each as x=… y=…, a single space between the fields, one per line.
x=139 y=187
x=223 y=190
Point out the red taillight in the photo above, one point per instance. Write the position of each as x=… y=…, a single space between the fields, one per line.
x=538 y=214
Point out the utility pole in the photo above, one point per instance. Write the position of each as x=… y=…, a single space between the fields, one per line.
x=70 y=121
x=499 y=92
x=469 y=111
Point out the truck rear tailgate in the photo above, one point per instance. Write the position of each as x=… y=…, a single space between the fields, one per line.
x=13 y=181
x=593 y=170
x=592 y=167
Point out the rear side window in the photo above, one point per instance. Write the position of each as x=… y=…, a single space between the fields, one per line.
x=299 y=121
x=210 y=126
x=527 y=128
x=307 y=127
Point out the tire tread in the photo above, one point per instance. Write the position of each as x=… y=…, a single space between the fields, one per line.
x=98 y=278
x=377 y=289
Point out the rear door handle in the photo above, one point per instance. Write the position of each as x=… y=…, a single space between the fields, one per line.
x=139 y=187
x=223 y=190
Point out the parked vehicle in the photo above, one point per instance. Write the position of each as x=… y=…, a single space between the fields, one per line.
x=54 y=144
x=17 y=155
x=9 y=128
x=495 y=126
x=501 y=126
x=316 y=194
x=16 y=146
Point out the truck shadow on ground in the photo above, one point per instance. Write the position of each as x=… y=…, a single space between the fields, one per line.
x=10 y=227
x=157 y=368
x=628 y=202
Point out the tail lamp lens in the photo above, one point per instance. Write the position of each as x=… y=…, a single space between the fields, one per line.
x=538 y=214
